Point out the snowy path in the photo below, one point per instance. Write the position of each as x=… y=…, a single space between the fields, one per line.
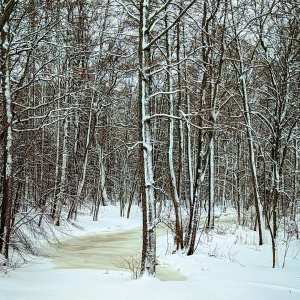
x=106 y=251
x=208 y=277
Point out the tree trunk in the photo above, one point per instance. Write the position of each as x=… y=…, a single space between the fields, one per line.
x=149 y=234
x=7 y=136
x=251 y=148
x=172 y=177
x=63 y=176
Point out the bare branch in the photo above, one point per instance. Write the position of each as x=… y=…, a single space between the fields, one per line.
x=169 y=27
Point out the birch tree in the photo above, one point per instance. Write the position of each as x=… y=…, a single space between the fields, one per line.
x=241 y=69
x=7 y=130
x=278 y=43
x=149 y=15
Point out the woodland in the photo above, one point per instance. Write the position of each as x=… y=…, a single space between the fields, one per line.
x=176 y=105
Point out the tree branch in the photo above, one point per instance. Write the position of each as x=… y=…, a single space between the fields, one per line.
x=169 y=27
x=7 y=12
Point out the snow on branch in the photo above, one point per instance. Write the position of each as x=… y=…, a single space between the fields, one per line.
x=157 y=12
x=155 y=39
x=165 y=93
x=134 y=145
x=128 y=11
x=161 y=116
x=6 y=13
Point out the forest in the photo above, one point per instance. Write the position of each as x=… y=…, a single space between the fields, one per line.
x=188 y=106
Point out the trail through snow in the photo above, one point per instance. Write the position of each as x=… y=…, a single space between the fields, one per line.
x=227 y=265
x=106 y=251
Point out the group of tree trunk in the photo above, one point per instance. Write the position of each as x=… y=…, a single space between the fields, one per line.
x=189 y=104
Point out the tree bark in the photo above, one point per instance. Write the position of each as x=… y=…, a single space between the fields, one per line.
x=149 y=234
x=7 y=137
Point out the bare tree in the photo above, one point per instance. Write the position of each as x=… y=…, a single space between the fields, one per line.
x=7 y=130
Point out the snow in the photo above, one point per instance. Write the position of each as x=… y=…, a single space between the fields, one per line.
x=5 y=44
x=8 y=104
x=6 y=27
x=228 y=264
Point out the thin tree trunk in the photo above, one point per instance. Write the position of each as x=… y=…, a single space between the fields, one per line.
x=90 y=132
x=238 y=185
x=251 y=148
x=63 y=176
x=172 y=176
x=211 y=202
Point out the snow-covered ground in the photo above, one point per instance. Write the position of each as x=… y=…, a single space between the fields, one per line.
x=228 y=264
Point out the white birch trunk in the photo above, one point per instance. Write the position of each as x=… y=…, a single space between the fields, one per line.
x=251 y=146
x=56 y=186
x=102 y=177
x=191 y=179
x=60 y=196
x=102 y=174
x=73 y=209
x=224 y=182
x=211 y=204
x=296 y=164
x=174 y=191
x=149 y=206
x=190 y=157
x=8 y=165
